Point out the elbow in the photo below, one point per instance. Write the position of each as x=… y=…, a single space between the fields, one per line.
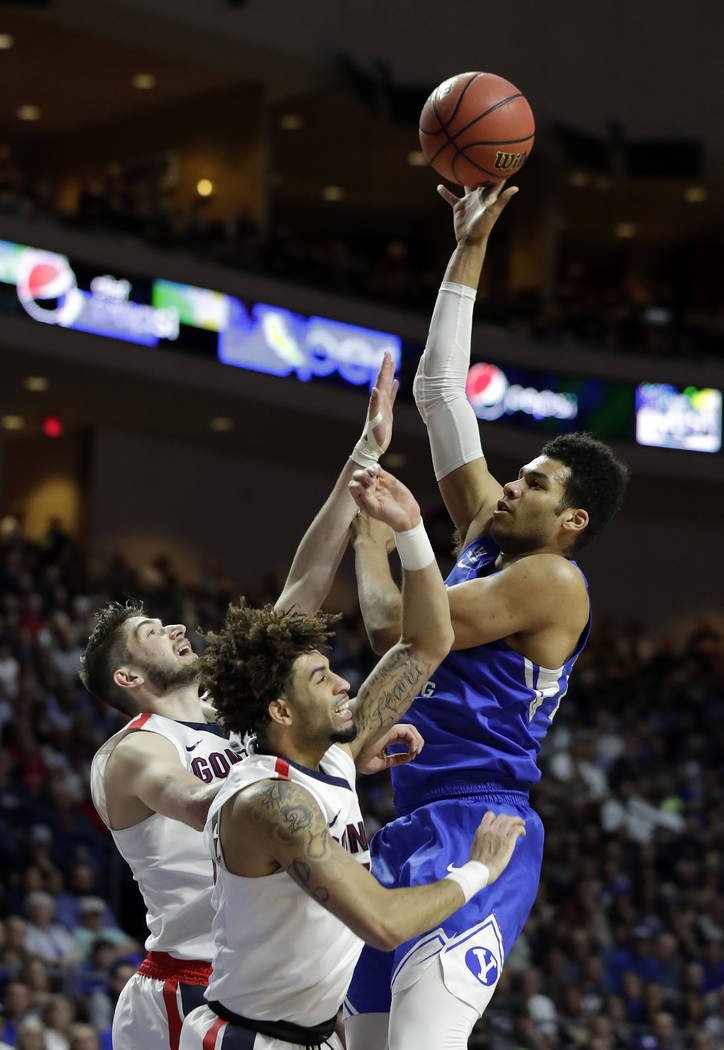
x=437 y=648
x=382 y=640
x=384 y=935
x=199 y=809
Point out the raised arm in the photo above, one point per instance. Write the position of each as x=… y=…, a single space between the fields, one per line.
x=318 y=555
x=426 y=629
x=379 y=596
x=144 y=776
x=277 y=824
x=468 y=489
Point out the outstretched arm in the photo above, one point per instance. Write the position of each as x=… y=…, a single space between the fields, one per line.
x=468 y=489
x=276 y=824
x=379 y=596
x=426 y=629
x=320 y=551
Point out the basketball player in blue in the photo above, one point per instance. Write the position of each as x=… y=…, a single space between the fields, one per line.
x=521 y=616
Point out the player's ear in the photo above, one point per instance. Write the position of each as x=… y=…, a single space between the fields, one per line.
x=575 y=520
x=279 y=711
x=126 y=678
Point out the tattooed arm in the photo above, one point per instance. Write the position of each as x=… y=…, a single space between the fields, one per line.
x=277 y=824
x=427 y=633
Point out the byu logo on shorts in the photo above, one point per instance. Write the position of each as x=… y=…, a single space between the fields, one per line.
x=482 y=964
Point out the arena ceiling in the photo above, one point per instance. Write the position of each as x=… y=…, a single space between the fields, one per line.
x=653 y=67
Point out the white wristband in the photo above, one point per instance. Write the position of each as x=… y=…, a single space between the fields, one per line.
x=471 y=877
x=367 y=452
x=414 y=548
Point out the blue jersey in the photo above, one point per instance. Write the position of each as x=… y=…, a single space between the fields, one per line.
x=483 y=714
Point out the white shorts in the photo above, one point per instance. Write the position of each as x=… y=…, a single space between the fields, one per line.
x=203 y=1030
x=151 y=1010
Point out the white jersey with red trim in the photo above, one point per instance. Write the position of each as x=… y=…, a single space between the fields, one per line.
x=278 y=954
x=169 y=859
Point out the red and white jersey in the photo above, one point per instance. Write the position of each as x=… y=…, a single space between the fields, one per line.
x=278 y=954
x=169 y=859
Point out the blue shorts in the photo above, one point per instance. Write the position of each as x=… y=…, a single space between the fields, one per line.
x=417 y=849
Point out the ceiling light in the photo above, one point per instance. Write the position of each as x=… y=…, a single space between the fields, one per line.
x=6 y=41
x=696 y=194
x=36 y=383
x=28 y=112
x=204 y=187
x=291 y=122
x=625 y=230
x=221 y=424
x=579 y=178
x=13 y=422
x=416 y=158
x=143 y=81
x=332 y=193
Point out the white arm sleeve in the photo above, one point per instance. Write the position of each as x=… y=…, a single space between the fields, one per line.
x=439 y=387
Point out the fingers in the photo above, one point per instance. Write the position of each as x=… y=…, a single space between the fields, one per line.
x=503 y=823
x=398 y=759
x=393 y=391
x=447 y=195
x=365 y=477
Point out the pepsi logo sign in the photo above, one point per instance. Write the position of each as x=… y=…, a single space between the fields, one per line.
x=492 y=395
x=45 y=278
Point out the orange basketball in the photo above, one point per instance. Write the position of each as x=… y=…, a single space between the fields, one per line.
x=476 y=128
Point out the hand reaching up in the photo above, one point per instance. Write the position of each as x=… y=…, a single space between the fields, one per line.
x=383 y=497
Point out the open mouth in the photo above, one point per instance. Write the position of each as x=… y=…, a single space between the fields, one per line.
x=184 y=649
x=343 y=710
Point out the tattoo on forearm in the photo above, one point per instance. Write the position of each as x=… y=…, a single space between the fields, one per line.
x=302 y=875
x=390 y=689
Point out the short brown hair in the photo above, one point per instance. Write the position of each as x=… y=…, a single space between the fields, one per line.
x=248 y=662
x=106 y=651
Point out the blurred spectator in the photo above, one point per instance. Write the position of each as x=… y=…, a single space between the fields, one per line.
x=31 y=1034
x=46 y=938
x=92 y=928
x=16 y=1007
x=82 y=1037
x=58 y=1016
x=102 y=1001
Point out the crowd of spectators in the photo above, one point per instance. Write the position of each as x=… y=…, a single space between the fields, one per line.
x=624 y=949
x=602 y=312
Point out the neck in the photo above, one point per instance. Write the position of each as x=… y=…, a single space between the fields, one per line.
x=182 y=704
x=508 y=557
x=307 y=756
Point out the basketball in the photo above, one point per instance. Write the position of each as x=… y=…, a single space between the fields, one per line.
x=476 y=128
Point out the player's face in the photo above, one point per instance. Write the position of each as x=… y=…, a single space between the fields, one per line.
x=529 y=515
x=162 y=652
x=319 y=700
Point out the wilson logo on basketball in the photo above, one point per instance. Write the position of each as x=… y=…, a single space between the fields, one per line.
x=509 y=160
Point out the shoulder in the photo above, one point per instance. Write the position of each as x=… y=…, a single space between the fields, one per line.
x=547 y=570
x=279 y=804
x=136 y=746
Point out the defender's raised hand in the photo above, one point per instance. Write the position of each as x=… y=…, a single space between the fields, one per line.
x=477 y=211
x=383 y=497
x=382 y=399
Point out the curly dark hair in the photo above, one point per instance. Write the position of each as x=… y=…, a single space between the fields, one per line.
x=597 y=480
x=248 y=662
x=106 y=650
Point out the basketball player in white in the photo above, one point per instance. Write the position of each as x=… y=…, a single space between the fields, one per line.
x=294 y=901
x=153 y=782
